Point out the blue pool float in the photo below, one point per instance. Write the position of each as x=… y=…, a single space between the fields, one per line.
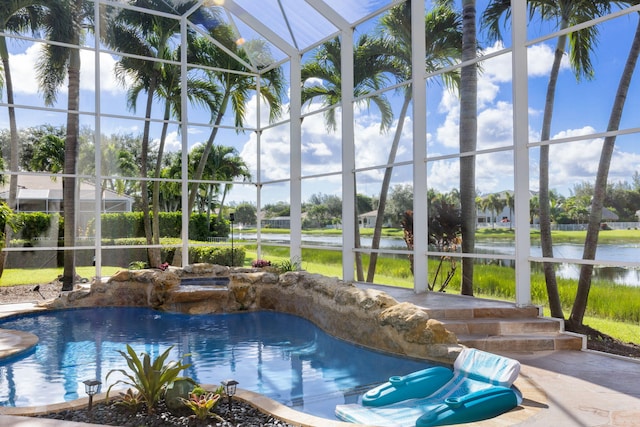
x=412 y=386
x=479 y=387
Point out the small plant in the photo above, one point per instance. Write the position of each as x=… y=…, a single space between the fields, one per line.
x=148 y=379
x=130 y=400
x=201 y=402
x=293 y=264
x=260 y=263
x=137 y=265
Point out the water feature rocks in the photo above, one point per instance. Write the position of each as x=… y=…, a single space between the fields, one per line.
x=366 y=317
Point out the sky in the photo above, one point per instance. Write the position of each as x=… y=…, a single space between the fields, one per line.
x=581 y=109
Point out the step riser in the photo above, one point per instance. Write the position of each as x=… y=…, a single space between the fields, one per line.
x=501 y=328
x=504 y=344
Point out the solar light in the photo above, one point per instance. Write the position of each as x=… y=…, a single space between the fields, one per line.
x=91 y=387
x=230 y=389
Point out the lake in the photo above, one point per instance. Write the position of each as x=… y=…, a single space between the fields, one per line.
x=606 y=252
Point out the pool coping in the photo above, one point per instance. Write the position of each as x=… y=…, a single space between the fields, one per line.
x=15 y=342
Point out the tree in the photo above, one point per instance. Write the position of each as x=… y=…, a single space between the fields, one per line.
x=15 y=16
x=368 y=68
x=146 y=36
x=443 y=41
x=597 y=203
x=468 y=141
x=246 y=213
x=63 y=22
x=400 y=201
x=511 y=201
x=48 y=154
x=234 y=85
x=566 y=13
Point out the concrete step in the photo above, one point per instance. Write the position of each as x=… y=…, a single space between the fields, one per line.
x=483 y=313
x=502 y=326
x=524 y=342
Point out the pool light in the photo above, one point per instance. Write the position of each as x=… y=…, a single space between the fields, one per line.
x=230 y=389
x=91 y=387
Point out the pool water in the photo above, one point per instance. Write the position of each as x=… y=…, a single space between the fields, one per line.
x=282 y=356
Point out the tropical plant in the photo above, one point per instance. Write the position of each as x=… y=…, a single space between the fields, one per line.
x=131 y=400
x=597 y=203
x=202 y=402
x=149 y=379
x=565 y=13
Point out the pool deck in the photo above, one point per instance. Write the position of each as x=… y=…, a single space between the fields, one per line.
x=560 y=388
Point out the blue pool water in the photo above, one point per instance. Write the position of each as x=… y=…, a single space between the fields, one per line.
x=284 y=357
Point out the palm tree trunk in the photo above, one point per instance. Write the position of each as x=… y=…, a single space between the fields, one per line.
x=153 y=253
x=155 y=195
x=544 y=204
x=70 y=158
x=205 y=154
x=468 y=138
x=591 y=243
x=14 y=147
x=386 y=182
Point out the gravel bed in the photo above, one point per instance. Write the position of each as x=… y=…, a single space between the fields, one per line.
x=243 y=415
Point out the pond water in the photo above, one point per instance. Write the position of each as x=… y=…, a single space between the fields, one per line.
x=606 y=252
x=284 y=357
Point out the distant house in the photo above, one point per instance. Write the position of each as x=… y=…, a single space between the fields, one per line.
x=38 y=193
x=277 y=222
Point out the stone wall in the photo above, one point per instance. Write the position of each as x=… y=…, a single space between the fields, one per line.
x=366 y=317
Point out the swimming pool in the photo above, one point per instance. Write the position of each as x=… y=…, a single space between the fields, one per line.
x=282 y=356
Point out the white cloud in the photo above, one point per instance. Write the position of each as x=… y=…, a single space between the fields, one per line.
x=24 y=72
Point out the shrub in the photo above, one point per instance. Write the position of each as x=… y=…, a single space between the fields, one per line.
x=260 y=263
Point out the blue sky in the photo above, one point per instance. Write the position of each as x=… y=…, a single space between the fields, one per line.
x=581 y=109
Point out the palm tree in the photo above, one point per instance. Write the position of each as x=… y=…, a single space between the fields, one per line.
x=48 y=154
x=148 y=36
x=15 y=16
x=566 y=13
x=597 y=203
x=63 y=22
x=223 y=166
x=367 y=78
x=443 y=41
x=199 y=92
x=511 y=201
x=234 y=87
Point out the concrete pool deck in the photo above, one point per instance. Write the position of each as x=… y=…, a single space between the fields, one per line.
x=560 y=388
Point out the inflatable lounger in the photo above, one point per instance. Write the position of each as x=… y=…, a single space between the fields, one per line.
x=479 y=387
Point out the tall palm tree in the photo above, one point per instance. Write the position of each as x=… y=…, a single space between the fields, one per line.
x=234 y=87
x=597 y=203
x=63 y=22
x=566 y=13
x=149 y=36
x=443 y=42
x=368 y=78
x=15 y=16
x=199 y=92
